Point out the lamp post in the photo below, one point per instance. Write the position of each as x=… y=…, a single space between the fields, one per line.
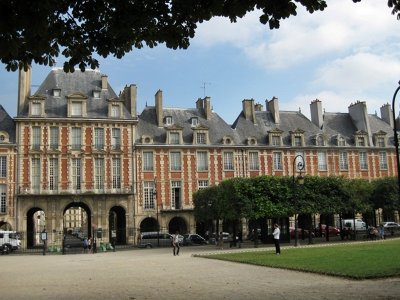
x=396 y=139
x=156 y=203
x=299 y=167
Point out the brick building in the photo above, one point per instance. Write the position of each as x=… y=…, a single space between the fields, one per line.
x=76 y=145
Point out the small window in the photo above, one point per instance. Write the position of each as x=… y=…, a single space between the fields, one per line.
x=168 y=120
x=276 y=140
x=115 y=111
x=195 y=121
x=96 y=94
x=341 y=141
x=174 y=138
x=36 y=109
x=380 y=142
x=2 y=138
x=201 y=138
x=76 y=109
x=56 y=92
x=298 y=141
x=361 y=141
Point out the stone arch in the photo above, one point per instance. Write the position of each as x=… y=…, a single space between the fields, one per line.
x=85 y=221
x=148 y=224
x=35 y=223
x=5 y=226
x=117 y=225
x=177 y=224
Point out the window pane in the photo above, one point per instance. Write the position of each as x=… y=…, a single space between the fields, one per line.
x=76 y=109
x=203 y=184
x=36 y=137
x=253 y=161
x=174 y=138
x=35 y=109
x=147 y=161
x=76 y=138
x=116 y=179
x=115 y=111
x=148 y=188
x=54 y=138
x=175 y=160
x=228 y=161
x=99 y=138
x=322 y=165
x=383 y=160
x=3 y=166
x=277 y=157
x=116 y=139
x=343 y=162
x=53 y=174
x=201 y=138
x=3 y=197
x=98 y=173
x=76 y=173
x=363 y=161
x=35 y=177
x=202 y=161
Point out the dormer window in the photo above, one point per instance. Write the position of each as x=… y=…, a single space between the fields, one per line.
x=195 y=121
x=251 y=141
x=276 y=140
x=147 y=139
x=36 y=109
x=341 y=141
x=96 y=94
x=380 y=139
x=227 y=140
x=275 y=137
x=360 y=141
x=56 y=92
x=36 y=106
x=174 y=138
x=76 y=109
x=4 y=137
x=115 y=111
x=168 y=120
x=201 y=138
x=77 y=105
x=320 y=140
x=297 y=137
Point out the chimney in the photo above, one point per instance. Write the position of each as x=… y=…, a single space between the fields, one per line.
x=159 y=108
x=248 y=110
x=130 y=99
x=258 y=107
x=24 y=87
x=387 y=114
x=199 y=104
x=316 y=113
x=104 y=83
x=359 y=115
x=207 y=107
x=273 y=107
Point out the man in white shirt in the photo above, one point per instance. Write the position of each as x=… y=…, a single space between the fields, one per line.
x=276 y=234
x=175 y=243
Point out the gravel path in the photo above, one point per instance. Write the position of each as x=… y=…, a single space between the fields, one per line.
x=157 y=274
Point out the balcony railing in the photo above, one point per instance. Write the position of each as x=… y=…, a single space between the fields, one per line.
x=44 y=191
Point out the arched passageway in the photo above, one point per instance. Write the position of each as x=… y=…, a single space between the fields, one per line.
x=35 y=223
x=117 y=225
x=177 y=224
x=148 y=224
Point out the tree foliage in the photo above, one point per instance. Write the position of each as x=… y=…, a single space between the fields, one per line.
x=40 y=31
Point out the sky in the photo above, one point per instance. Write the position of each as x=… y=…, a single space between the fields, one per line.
x=349 y=52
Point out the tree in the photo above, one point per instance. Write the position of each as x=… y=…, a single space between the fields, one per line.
x=39 y=31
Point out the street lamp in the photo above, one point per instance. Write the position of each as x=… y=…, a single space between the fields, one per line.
x=396 y=139
x=156 y=203
x=300 y=180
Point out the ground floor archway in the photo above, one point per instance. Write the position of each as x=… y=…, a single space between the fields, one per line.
x=148 y=224
x=35 y=223
x=177 y=224
x=117 y=225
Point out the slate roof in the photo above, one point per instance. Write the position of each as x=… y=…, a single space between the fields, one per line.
x=217 y=127
x=289 y=121
x=70 y=83
x=7 y=124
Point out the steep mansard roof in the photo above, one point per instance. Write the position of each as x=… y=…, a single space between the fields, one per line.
x=71 y=83
x=7 y=124
x=217 y=127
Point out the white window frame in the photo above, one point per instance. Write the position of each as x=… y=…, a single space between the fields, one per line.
x=3 y=198
x=36 y=137
x=76 y=138
x=363 y=155
x=116 y=138
x=383 y=164
x=99 y=138
x=202 y=160
x=277 y=161
x=3 y=166
x=36 y=109
x=35 y=174
x=175 y=161
x=148 y=161
x=148 y=195
x=76 y=173
x=174 y=138
x=53 y=174
x=343 y=161
x=228 y=161
x=76 y=109
x=99 y=173
x=254 y=164
x=116 y=173
x=322 y=161
x=201 y=138
x=54 y=137
x=175 y=184
x=115 y=110
x=202 y=184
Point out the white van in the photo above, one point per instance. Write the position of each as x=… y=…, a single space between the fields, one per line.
x=349 y=223
x=9 y=241
x=153 y=239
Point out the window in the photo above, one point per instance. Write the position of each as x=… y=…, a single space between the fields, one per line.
x=54 y=137
x=99 y=138
x=76 y=138
x=361 y=141
x=203 y=184
x=99 y=173
x=56 y=92
x=174 y=138
x=201 y=138
x=380 y=141
x=202 y=161
x=341 y=141
x=175 y=161
x=115 y=139
x=383 y=160
x=195 y=121
x=35 y=174
x=176 y=194
x=228 y=161
x=343 y=161
x=253 y=161
x=148 y=195
x=322 y=163
x=3 y=197
x=116 y=174
x=148 y=161
x=36 y=138
x=36 y=109
x=115 y=111
x=76 y=173
x=76 y=109
x=298 y=141
x=276 y=140
x=53 y=174
x=363 y=160
x=168 y=120
x=96 y=94
x=3 y=166
x=277 y=161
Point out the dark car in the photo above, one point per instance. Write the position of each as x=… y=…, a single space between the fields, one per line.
x=300 y=230
x=193 y=239
x=333 y=231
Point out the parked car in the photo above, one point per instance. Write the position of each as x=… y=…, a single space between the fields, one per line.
x=193 y=239
x=333 y=231
x=226 y=236
x=393 y=225
x=153 y=239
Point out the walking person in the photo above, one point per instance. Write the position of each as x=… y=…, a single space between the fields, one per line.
x=85 y=245
x=175 y=243
x=89 y=242
x=276 y=234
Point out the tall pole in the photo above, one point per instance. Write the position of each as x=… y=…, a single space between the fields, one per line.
x=297 y=168
x=396 y=139
x=156 y=203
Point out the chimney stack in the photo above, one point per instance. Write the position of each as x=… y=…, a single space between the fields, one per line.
x=24 y=87
x=359 y=115
x=387 y=114
x=316 y=113
x=273 y=107
x=248 y=110
x=207 y=107
x=159 y=108
x=104 y=82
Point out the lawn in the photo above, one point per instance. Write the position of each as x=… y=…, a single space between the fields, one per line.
x=351 y=260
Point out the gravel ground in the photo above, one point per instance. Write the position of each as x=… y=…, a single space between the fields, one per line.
x=157 y=274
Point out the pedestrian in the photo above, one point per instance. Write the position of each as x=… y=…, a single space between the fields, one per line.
x=221 y=240
x=382 y=232
x=89 y=244
x=276 y=234
x=85 y=245
x=175 y=243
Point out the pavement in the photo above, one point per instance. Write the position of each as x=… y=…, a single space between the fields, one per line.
x=157 y=274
